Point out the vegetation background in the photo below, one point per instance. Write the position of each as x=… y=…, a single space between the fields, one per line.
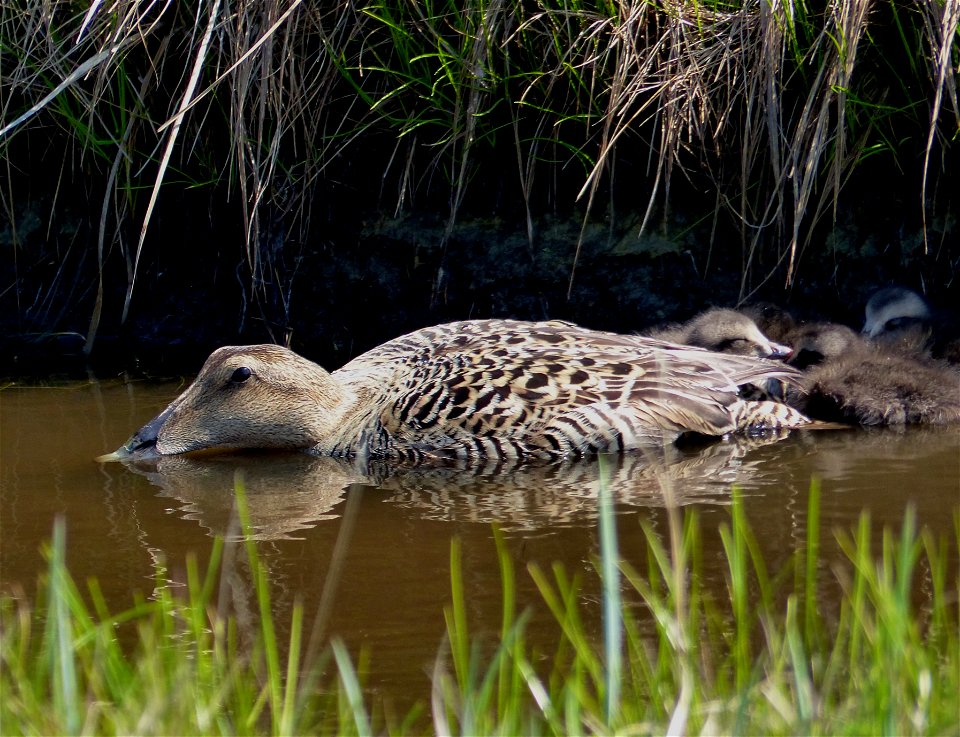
x=177 y=176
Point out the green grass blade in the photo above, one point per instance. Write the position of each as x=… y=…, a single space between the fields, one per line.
x=612 y=604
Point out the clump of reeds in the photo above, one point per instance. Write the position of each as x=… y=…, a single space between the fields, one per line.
x=771 y=656
x=770 y=107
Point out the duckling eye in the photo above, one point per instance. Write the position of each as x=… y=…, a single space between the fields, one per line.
x=241 y=375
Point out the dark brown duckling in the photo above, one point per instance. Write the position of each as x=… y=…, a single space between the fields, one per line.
x=815 y=342
x=849 y=379
x=724 y=331
x=772 y=320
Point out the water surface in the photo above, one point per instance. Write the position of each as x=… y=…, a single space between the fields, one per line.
x=368 y=549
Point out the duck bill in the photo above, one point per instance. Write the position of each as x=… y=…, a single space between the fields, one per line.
x=780 y=352
x=142 y=445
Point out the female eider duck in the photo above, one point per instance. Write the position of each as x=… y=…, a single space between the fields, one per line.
x=478 y=388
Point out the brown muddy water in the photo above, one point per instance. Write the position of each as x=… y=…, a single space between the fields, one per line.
x=369 y=551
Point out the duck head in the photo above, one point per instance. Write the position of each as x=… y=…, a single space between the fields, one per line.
x=259 y=396
x=773 y=320
x=894 y=308
x=817 y=342
x=729 y=331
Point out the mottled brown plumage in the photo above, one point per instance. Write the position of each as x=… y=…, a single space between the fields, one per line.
x=485 y=388
x=729 y=331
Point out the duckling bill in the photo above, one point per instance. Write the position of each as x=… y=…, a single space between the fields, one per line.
x=477 y=388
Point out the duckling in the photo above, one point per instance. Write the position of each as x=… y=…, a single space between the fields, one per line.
x=849 y=379
x=729 y=331
x=902 y=318
x=725 y=331
x=815 y=342
x=477 y=388
x=771 y=319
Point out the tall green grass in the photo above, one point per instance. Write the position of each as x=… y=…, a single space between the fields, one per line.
x=69 y=666
x=766 y=653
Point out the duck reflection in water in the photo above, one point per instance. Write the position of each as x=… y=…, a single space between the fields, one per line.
x=288 y=493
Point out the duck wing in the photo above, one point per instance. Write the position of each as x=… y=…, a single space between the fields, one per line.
x=505 y=388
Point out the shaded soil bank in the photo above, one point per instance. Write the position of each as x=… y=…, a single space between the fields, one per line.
x=367 y=278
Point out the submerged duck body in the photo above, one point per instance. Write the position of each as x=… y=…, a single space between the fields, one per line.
x=477 y=388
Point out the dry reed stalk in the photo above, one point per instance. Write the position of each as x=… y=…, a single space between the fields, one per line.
x=941 y=34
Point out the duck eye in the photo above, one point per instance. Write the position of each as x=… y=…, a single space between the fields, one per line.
x=241 y=375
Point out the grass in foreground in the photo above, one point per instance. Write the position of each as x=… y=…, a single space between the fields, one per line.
x=765 y=658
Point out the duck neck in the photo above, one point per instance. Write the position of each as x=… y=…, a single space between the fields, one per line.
x=331 y=403
x=361 y=391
